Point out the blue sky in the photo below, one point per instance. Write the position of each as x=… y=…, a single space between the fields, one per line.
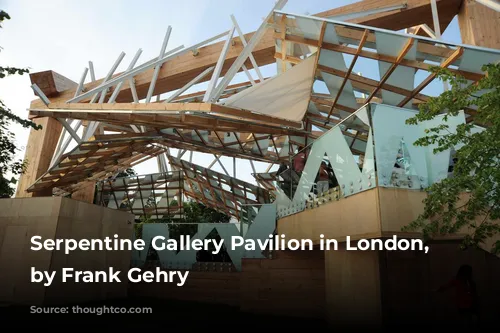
x=64 y=35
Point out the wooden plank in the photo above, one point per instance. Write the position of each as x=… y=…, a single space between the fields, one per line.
x=176 y=73
x=353 y=287
x=52 y=83
x=479 y=25
x=310 y=223
x=39 y=151
x=161 y=108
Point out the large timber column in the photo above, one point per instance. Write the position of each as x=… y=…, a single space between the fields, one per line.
x=39 y=151
x=479 y=25
x=42 y=143
x=353 y=288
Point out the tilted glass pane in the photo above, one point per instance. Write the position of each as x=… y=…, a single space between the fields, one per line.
x=399 y=162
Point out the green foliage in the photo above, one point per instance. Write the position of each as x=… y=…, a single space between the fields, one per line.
x=195 y=212
x=129 y=172
x=8 y=148
x=3 y=16
x=471 y=198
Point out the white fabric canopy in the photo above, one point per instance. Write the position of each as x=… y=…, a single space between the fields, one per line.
x=284 y=96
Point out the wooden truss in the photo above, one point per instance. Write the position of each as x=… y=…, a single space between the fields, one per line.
x=160 y=196
x=157 y=196
x=360 y=43
x=179 y=71
x=219 y=191
x=124 y=127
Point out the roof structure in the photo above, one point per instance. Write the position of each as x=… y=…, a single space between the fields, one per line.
x=157 y=195
x=403 y=62
x=317 y=85
x=217 y=190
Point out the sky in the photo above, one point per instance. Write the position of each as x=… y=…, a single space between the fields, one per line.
x=62 y=36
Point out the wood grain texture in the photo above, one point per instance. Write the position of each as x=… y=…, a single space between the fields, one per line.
x=58 y=218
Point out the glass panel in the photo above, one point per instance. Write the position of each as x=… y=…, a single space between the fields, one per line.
x=367 y=162
x=439 y=164
x=402 y=76
x=472 y=60
x=310 y=29
x=399 y=162
x=403 y=172
x=259 y=223
x=394 y=139
x=335 y=160
x=260 y=227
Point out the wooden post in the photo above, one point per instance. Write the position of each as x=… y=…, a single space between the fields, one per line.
x=42 y=143
x=479 y=25
x=39 y=151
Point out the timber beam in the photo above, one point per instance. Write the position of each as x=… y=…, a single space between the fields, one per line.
x=177 y=72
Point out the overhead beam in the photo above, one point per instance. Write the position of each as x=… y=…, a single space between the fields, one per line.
x=416 y=12
x=168 y=108
x=177 y=72
x=493 y=4
x=479 y=25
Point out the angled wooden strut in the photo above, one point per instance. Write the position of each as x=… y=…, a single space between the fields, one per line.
x=179 y=71
x=176 y=73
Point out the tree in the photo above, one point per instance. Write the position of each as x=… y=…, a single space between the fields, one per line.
x=129 y=172
x=195 y=212
x=471 y=197
x=8 y=149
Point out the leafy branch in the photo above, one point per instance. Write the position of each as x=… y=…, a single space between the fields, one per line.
x=470 y=199
x=8 y=148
